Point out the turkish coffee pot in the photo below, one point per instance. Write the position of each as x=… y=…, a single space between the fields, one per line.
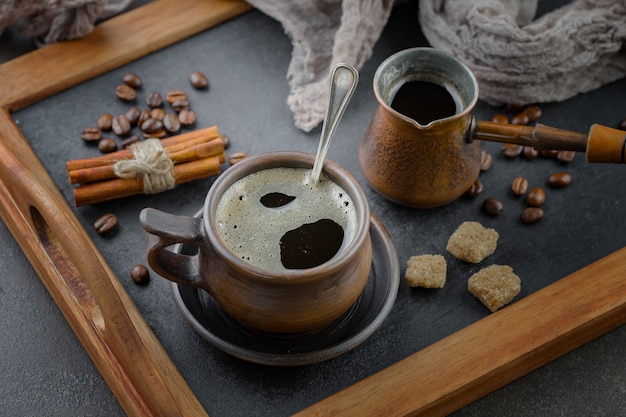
x=431 y=162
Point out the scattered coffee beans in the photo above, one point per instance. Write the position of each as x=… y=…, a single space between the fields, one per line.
x=511 y=150
x=132 y=80
x=531 y=215
x=622 y=124
x=492 y=207
x=187 y=117
x=91 y=134
x=475 y=189
x=107 y=145
x=125 y=92
x=528 y=152
x=151 y=126
x=513 y=108
x=180 y=105
x=171 y=123
x=132 y=115
x=565 y=156
x=519 y=186
x=485 y=161
x=198 y=80
x=500 y=118
x=237 y=157
x=175 y=95
x=533 y=113
x=143 y=116
x=121 y=126
x=140 y=274
x=104 y=122
x=105 y=223
x=154 y=100
x=560 y=180
x=520 y=119
x=548 y=153
x=157 y=113
x=536 y=197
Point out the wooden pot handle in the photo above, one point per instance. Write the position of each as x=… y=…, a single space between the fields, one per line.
x=601 y=144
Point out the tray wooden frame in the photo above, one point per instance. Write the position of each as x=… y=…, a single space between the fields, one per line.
x=448 y=375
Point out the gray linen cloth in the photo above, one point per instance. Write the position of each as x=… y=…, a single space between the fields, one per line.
x=516 y=58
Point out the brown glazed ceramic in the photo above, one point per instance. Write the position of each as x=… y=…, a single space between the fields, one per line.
x=418 y=165
x=277 y=302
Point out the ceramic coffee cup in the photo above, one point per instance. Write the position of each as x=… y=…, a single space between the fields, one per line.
x=243 y=243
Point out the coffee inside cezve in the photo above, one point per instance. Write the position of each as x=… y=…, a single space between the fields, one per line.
x=423 y=101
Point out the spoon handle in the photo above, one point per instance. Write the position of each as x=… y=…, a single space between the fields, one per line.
x=343 y=81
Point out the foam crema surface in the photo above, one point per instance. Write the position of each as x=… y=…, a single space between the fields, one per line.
x=253 y=231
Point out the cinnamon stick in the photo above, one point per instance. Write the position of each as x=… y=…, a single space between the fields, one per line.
x=188 y=138
x=177 y=153
x=98 y=192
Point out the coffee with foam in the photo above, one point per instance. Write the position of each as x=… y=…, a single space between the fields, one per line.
x=259 y=233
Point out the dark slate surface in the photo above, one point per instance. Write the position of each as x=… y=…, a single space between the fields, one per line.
x=45 y=370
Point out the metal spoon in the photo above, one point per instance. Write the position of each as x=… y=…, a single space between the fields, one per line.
x=343 y=81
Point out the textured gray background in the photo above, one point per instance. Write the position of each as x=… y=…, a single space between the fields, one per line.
x=45 y=371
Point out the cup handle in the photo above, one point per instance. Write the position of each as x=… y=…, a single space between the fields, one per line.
x=165 y=230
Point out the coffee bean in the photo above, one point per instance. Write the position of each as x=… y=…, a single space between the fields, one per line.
x=154 y=100
x=500 y=118
x=187 y=117
x=121 y=126
x=171 y=123
x=511 y=150
x=475 y=189
x=143 y=116
x=536 y=197
x=151 y=126
x=519 y=185
x=560 y=180
x=180 y=105
x=129 y=141
x=531 y=215
x=198 y=80
x=105 y=223
x=132 y=80
x=492 y=207
x=104 y=122
x=132 y=115
x=622 y=124
x=528 y=152
x=157 y=114
x=520 y=119
x=158 y=134
x=107 y=145
x=91 y=134
x=140 y=274
x=175 y=95
x=485 y=160
x=237 y=157
x=565 y=156
x=226 y=141
x=533 y=112
x=548 y=153
x=125 y=92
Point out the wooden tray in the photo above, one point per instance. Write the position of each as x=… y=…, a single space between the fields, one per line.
x=448 y=375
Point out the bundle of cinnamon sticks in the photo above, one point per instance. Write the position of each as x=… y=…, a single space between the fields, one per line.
x=195 y=155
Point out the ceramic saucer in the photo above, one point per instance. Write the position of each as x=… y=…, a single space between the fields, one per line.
x=209 y=321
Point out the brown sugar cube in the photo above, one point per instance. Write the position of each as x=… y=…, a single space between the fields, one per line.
x=427 y=271
x=472 y=242
x=495 y=286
